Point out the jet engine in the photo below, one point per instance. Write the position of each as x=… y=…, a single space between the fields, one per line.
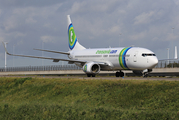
x=91 y=68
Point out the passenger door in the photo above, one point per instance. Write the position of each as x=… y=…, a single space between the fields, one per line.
x=135 y=56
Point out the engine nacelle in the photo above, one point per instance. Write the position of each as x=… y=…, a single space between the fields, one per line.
x=91 y=68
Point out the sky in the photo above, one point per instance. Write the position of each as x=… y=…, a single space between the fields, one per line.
x=29 y=24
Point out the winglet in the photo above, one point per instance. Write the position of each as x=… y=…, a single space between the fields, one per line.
x=5 y=49
x=176 y=57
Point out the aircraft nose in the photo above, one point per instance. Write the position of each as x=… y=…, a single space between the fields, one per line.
x=154 y=62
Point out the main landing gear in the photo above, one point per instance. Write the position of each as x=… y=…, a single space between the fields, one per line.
x=121 y=74
x=89 y=75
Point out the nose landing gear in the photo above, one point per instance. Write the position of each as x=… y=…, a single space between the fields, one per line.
x=146 y=72
x=145 y=75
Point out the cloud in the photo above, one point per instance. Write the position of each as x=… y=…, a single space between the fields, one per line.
x=171 y=37
x=144 y=18
x=1 y=39
x=47 y=39
x=176 y=2
x=138 y=36
x=30 y=20
x=10 y=23
x=96 y=23
x=114 y=30
x=94 y=6
x=76 y=7
x=19 y=34
x=26 y=3
x=1 y=56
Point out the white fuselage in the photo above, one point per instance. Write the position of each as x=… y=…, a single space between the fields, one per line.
x=129 y=58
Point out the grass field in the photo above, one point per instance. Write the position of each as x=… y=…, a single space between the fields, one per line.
x=73 y=99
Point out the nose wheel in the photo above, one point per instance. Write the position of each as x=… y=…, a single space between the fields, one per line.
x=120 y=74
x=145 y=74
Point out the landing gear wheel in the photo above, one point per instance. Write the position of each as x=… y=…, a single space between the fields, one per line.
x=145 y=75
x=121 y=74
x=117 y=74
x=88 y=75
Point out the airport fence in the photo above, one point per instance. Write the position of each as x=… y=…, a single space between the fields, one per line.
x=167 y=64
x=41 y=68
x=161 y=64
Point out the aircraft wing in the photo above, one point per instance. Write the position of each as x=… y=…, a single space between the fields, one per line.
x=58 y=59
x=55 y=59
x=67 y=53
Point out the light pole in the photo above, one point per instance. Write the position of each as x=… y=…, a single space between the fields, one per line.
x=5 y=56
x=42 y=53
x=172 y=43
x=13 y=56
x=119 y=39
x=176 y=56
x=168 y=54
x=172 y=30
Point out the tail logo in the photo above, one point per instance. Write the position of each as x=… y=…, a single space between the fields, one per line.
x=72 y=37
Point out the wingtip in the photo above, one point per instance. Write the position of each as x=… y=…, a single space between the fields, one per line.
x=5 y=48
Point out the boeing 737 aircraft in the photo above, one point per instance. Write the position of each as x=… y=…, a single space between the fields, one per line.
x=92 y=61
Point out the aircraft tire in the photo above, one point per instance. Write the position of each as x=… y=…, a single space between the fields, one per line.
x=121 y=74
x=88 y=75
x=145 y=75
x=117 y=74
x=93 y=75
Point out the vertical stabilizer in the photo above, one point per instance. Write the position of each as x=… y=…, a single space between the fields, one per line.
x=176 y=57
x=72 y=39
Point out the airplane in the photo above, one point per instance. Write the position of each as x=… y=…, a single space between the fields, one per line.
x=140 y=60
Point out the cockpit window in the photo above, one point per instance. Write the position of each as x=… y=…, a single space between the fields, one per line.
x=146 y=54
